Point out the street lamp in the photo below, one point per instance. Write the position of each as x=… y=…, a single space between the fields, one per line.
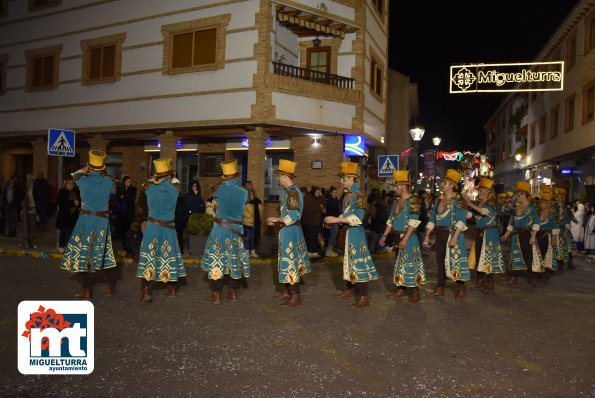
x=416 y=135
x=436 y=141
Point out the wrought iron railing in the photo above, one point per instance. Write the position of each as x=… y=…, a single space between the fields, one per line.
x=313 y=76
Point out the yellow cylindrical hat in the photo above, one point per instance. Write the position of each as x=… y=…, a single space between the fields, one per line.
x=453 y=176
x=401 y=177
x=286 y=167
x=546 y=197
x=546 y=189
x=349 y=169
x=486 y=183
x=96 y=160
x=509 y=194
x=163 y=167
x=560 y=191
x=230 y=169
x=523 y=187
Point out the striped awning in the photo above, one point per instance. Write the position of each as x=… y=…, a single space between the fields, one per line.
x=303 y=23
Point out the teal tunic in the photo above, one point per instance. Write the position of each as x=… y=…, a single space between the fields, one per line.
x=160 y=258
x=456 y=260
x=491 y=260
x=550 y=227
x=224 y=252
x=357 y=262
x=565 y=245
x=90 y=246
x=409 y=267
x=525 y=221
x=292 y=257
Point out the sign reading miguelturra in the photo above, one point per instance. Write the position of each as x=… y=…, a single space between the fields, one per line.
x=482 y=78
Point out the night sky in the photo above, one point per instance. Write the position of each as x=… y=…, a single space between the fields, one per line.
x=427 y=37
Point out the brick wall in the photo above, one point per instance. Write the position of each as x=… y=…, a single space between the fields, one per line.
x=330 y=153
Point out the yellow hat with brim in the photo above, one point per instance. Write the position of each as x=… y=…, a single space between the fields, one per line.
x=163 y=167
x=523 y=187
x=349 y=169
x=546 y=189
x=546 y=197
x=230 y=169
x=453 y=176
x=560 y=191
x=486 y=183
x=286 y=167
x=401 y=177
x=96 y=160
x=509 y=194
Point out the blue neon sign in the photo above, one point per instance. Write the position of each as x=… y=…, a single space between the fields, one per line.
x=355 y=145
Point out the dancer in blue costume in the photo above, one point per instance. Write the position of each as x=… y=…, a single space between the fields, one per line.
x=487 y=250
x=449 y=219
x=358 y=267
x=402 y=221
x=566 y=245
x=523 y=228
x=90 y=246
x=160 y=258
x=225 y=253
x=292 y=259
x=549 y=231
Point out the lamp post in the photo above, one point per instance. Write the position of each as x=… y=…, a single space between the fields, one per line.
x=436 y=141
x=416 y=135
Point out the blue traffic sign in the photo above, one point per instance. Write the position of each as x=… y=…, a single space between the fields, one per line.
x=386 y=165
x=61 y=142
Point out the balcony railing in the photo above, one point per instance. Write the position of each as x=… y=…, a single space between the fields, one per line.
x=313 y=76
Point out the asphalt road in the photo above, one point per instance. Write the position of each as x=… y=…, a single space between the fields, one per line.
x=516 y=342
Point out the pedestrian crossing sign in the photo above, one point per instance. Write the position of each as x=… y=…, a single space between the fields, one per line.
x=386 y=165
x=61 y=142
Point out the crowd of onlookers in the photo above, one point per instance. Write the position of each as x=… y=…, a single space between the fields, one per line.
x=129 y=213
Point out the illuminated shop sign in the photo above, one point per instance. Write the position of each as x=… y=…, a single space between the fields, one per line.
x=482 y=78
x=355 y=145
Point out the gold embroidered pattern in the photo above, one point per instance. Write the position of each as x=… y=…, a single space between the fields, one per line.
x=293 y=200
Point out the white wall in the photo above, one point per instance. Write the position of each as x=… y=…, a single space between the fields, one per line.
x=313 y=111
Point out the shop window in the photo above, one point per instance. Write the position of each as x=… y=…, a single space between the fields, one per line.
x=42 y=68
x=376 y=77
x=542 y=128
x=532 y=135
x=3 y=62
x=588 y=102
x=554 y=121
x=210 y=164
x=195 y=45
x=35 y=5
x=272 y=188
x=102 y=59
x=569 y=113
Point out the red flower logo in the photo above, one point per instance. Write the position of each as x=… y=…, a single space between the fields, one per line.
x=43 y=319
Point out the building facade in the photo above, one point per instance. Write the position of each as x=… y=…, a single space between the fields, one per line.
x=549 y=136
x=196 y=80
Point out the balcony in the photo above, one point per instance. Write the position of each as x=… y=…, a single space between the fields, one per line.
x=313 y=76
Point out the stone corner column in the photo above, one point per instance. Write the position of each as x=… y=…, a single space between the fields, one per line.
x=256 y=164
x=168 y=146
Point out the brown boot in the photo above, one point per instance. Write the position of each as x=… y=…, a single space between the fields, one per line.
x=489 y=287
x=170 y=290
x=513 y=280
x=478 y=285
x=362 y=303
x=560 y=266
x=400 y=292
x=415 y=297
x=462 y=291
x=438 y=292
x=347 y=293
x=215 y=298
x=110 y=289
x=282 y=296
x=294 y=301
x=84 y=294
x=145 y=296
x=232 y=294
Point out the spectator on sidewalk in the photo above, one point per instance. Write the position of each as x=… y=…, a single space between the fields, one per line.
x=576 y=226
x=332 y=207
x=250 y=210
x=258 y=207
x=193 y=199
x=181 y=216
x=125 y=208
x=68 y=212
x=12 y=197
x=311 y=220
x=41 y=197
x=134 y=239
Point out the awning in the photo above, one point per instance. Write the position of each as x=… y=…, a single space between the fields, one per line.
x=303 y=23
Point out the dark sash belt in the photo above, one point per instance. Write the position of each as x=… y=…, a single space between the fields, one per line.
x=224 y=222
x=164 y=224
x=394 y=231
x=483 y=228
x=442 y=228
x=102 y=214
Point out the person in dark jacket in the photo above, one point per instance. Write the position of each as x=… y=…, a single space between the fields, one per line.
x=68 y=212
x=312 y=220
x=181 y=216
x=332 y=207
x=41 y=197
x=12 y=197
x=193 y=199
x=125 y=208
